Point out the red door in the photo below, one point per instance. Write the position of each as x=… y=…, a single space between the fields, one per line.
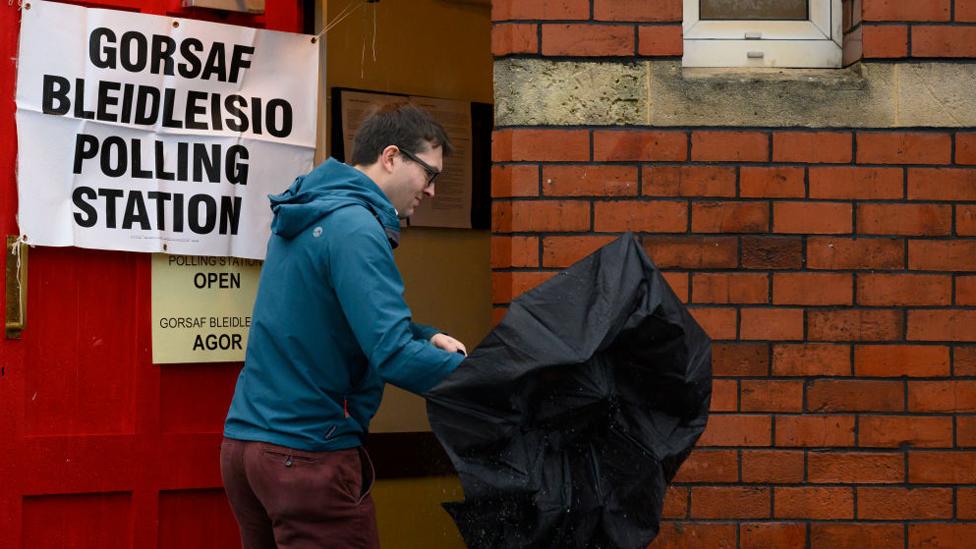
x=99 y=448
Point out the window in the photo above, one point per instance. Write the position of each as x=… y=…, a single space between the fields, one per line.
x=763 y=33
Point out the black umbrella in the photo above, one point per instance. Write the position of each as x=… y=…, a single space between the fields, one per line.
x=570 y=419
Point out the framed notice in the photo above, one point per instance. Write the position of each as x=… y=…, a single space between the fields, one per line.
x=463 y=194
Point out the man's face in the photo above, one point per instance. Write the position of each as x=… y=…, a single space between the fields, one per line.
x=413 y=180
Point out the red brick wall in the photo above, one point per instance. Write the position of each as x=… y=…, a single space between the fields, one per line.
x=835 y=270
x=889 y=29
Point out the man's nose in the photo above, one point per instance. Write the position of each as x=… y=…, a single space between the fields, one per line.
x=429 y=190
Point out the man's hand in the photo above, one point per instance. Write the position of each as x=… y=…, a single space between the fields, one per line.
x=449 y=344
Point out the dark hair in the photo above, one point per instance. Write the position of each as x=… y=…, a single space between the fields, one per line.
x=401 y=124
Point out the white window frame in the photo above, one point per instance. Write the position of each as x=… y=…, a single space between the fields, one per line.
x=815 y=43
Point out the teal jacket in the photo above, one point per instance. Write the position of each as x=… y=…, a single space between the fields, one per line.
x=330 y=326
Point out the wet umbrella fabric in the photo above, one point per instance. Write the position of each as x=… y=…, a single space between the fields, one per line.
x=570 y=419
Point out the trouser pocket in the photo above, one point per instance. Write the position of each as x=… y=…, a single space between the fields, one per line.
x=368 y=474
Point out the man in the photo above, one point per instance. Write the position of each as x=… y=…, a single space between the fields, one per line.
x=329 y=329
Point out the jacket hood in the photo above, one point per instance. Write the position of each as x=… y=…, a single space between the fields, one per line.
x=330 y=186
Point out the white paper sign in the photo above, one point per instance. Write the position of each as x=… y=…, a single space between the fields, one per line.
x=153 y=134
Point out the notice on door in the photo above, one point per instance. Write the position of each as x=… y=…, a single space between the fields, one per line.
x=201 y=307
x=153 y=134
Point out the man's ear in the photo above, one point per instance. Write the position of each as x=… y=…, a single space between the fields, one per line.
x=387 y=156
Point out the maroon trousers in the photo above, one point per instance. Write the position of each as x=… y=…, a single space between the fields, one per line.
x=291 y=499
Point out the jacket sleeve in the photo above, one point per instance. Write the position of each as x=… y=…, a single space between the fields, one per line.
x=370 y=291
x=423 y=331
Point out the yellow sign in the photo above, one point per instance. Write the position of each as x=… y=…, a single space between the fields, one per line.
x=201 y=307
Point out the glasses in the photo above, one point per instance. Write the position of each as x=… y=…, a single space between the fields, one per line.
x=432 y=172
